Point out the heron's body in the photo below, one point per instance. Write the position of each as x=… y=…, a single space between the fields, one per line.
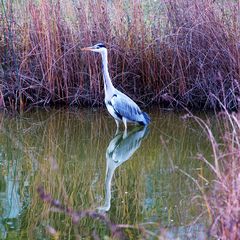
x=123 y=108
x=119 y=105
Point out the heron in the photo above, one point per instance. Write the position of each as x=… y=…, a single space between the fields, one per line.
x=121 y=107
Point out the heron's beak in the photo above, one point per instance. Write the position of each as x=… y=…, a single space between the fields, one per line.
x=87 y=49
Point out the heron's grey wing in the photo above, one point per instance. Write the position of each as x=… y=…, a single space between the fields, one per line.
x=126 y=107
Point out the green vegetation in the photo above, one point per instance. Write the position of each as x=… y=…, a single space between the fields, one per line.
x=177 y=53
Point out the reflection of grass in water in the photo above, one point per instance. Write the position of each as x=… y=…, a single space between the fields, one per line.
x=69 y=149
x=172 y=191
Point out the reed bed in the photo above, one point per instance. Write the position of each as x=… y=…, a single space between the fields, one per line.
x=175 y=53
x=224 y=199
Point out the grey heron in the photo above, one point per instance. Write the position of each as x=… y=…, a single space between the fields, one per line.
x=119 y=105
x=119 y=150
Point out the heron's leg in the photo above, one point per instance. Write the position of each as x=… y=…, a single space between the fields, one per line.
x=117 y=122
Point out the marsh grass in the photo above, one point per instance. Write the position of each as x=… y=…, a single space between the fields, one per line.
x=170 y=52
x=221 y=199
x=224 y=199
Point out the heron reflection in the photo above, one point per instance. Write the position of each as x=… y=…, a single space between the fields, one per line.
x=119 y=150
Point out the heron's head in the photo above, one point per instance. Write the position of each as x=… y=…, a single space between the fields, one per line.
x=99 y=47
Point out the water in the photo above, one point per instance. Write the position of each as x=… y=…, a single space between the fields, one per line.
x=75 y=156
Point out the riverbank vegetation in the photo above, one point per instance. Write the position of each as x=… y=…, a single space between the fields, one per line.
x=224 y=199
x=175 y=53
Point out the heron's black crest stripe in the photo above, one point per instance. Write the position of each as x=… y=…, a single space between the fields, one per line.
x=101 y=45
x=114 y=95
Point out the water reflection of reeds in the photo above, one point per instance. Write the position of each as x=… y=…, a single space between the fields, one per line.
x=64 y=151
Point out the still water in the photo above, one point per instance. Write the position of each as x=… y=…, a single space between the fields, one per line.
x=75 y=155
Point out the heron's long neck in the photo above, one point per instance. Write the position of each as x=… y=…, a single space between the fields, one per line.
x=108 y=86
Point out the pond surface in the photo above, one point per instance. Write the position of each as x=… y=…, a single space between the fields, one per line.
x=134 y=178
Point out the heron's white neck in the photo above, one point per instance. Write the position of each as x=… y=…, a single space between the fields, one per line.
x=108 y=86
